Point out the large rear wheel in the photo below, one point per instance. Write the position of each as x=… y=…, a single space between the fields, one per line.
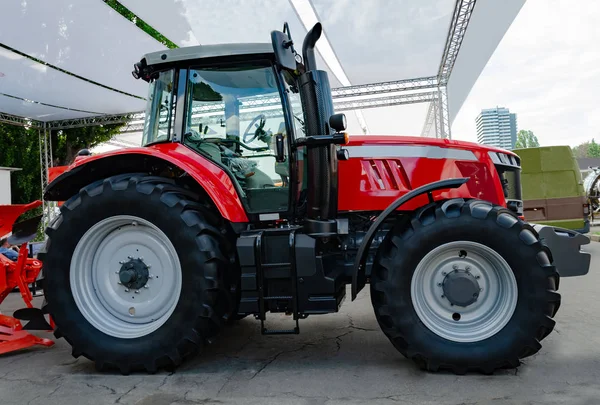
x=464 y=285
x=136 y=273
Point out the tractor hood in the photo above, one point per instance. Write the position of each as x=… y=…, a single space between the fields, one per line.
x=381 y=169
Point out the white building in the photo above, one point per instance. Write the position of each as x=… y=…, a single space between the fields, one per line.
x=497 y=127
x=5 y=196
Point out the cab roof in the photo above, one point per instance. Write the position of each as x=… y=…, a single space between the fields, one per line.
x=207 y=51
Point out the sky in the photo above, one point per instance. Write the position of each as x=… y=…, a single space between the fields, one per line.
x=547 y=70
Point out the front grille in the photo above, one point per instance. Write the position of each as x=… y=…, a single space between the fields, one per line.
x=510 y=177
x=509 y=171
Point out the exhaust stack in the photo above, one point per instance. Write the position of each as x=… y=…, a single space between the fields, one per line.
x=315 y=93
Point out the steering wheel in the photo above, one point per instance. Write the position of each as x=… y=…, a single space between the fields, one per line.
x=248 y=136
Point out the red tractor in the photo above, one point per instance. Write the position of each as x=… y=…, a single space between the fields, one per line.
x=247 y=197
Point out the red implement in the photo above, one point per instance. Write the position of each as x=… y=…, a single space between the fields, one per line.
x=17 y=274
x=13 y=337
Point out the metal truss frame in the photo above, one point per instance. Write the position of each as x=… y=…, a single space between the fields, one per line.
x=418 y=83
x=213 y=113
x=438 y=113
x=45 y=141
x=18 y=121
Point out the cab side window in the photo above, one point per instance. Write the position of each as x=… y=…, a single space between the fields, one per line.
x=233 y=116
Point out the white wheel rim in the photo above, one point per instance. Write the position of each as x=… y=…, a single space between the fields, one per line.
x=94 y=277
x=479 y=320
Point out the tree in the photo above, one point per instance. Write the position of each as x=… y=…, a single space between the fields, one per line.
x=20 y=148
x=66 y=143
x=593 y=149
x=581 y=150
x=587 y=149
x=526 y=139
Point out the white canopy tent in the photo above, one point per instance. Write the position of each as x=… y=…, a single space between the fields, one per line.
x=88 y=48
x=65 y=63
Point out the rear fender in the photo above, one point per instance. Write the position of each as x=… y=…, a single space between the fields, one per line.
x=169 y=160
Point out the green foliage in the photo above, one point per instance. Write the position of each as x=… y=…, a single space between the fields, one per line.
x=581 y=150
x=66 y=143
x=593 y=149
x=19 y=148
x=526 y=139
x=587 y=149
x=141 y=24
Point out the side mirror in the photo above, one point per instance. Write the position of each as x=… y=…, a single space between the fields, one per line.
x=283 y=48
x=338 y=122
x=279 y=149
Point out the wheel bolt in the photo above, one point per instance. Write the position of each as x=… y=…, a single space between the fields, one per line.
x=150 y=275
x=439 y=284
x=116 y=272
x=455 y=267
x=444 y=273
x=141 y=258
x=467 y=268
x=118 y=282
x=148 y=265
x=127 y=290
x=137 y=291
x=121 y=262
x=477 y=277
x=134 y=223
x=130 y=257
x=146 y=286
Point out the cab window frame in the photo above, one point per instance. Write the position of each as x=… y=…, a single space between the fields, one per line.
x=172 y=123
x=181 y=117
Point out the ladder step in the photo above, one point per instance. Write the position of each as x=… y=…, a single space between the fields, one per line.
x=260 y=267
x=294 y=331
x=275 y=265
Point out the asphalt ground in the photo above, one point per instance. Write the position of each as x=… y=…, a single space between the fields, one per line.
x=340 y=358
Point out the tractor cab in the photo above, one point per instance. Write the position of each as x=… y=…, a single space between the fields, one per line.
x=240 y=106
x=231 y=111
x=237 y=105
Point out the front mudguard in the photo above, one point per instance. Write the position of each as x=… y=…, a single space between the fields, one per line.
x=565 y=246
x=360 y=262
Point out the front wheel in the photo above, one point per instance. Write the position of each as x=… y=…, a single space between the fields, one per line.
x=464 y=285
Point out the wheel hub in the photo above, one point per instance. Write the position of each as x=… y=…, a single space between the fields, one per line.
x=134 y=274
x=464 y=291
x=461 y=288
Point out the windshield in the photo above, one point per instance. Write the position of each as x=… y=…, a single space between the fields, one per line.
x=159 y=109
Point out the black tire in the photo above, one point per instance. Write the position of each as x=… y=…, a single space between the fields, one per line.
x=198 y=237
x=478 y=221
